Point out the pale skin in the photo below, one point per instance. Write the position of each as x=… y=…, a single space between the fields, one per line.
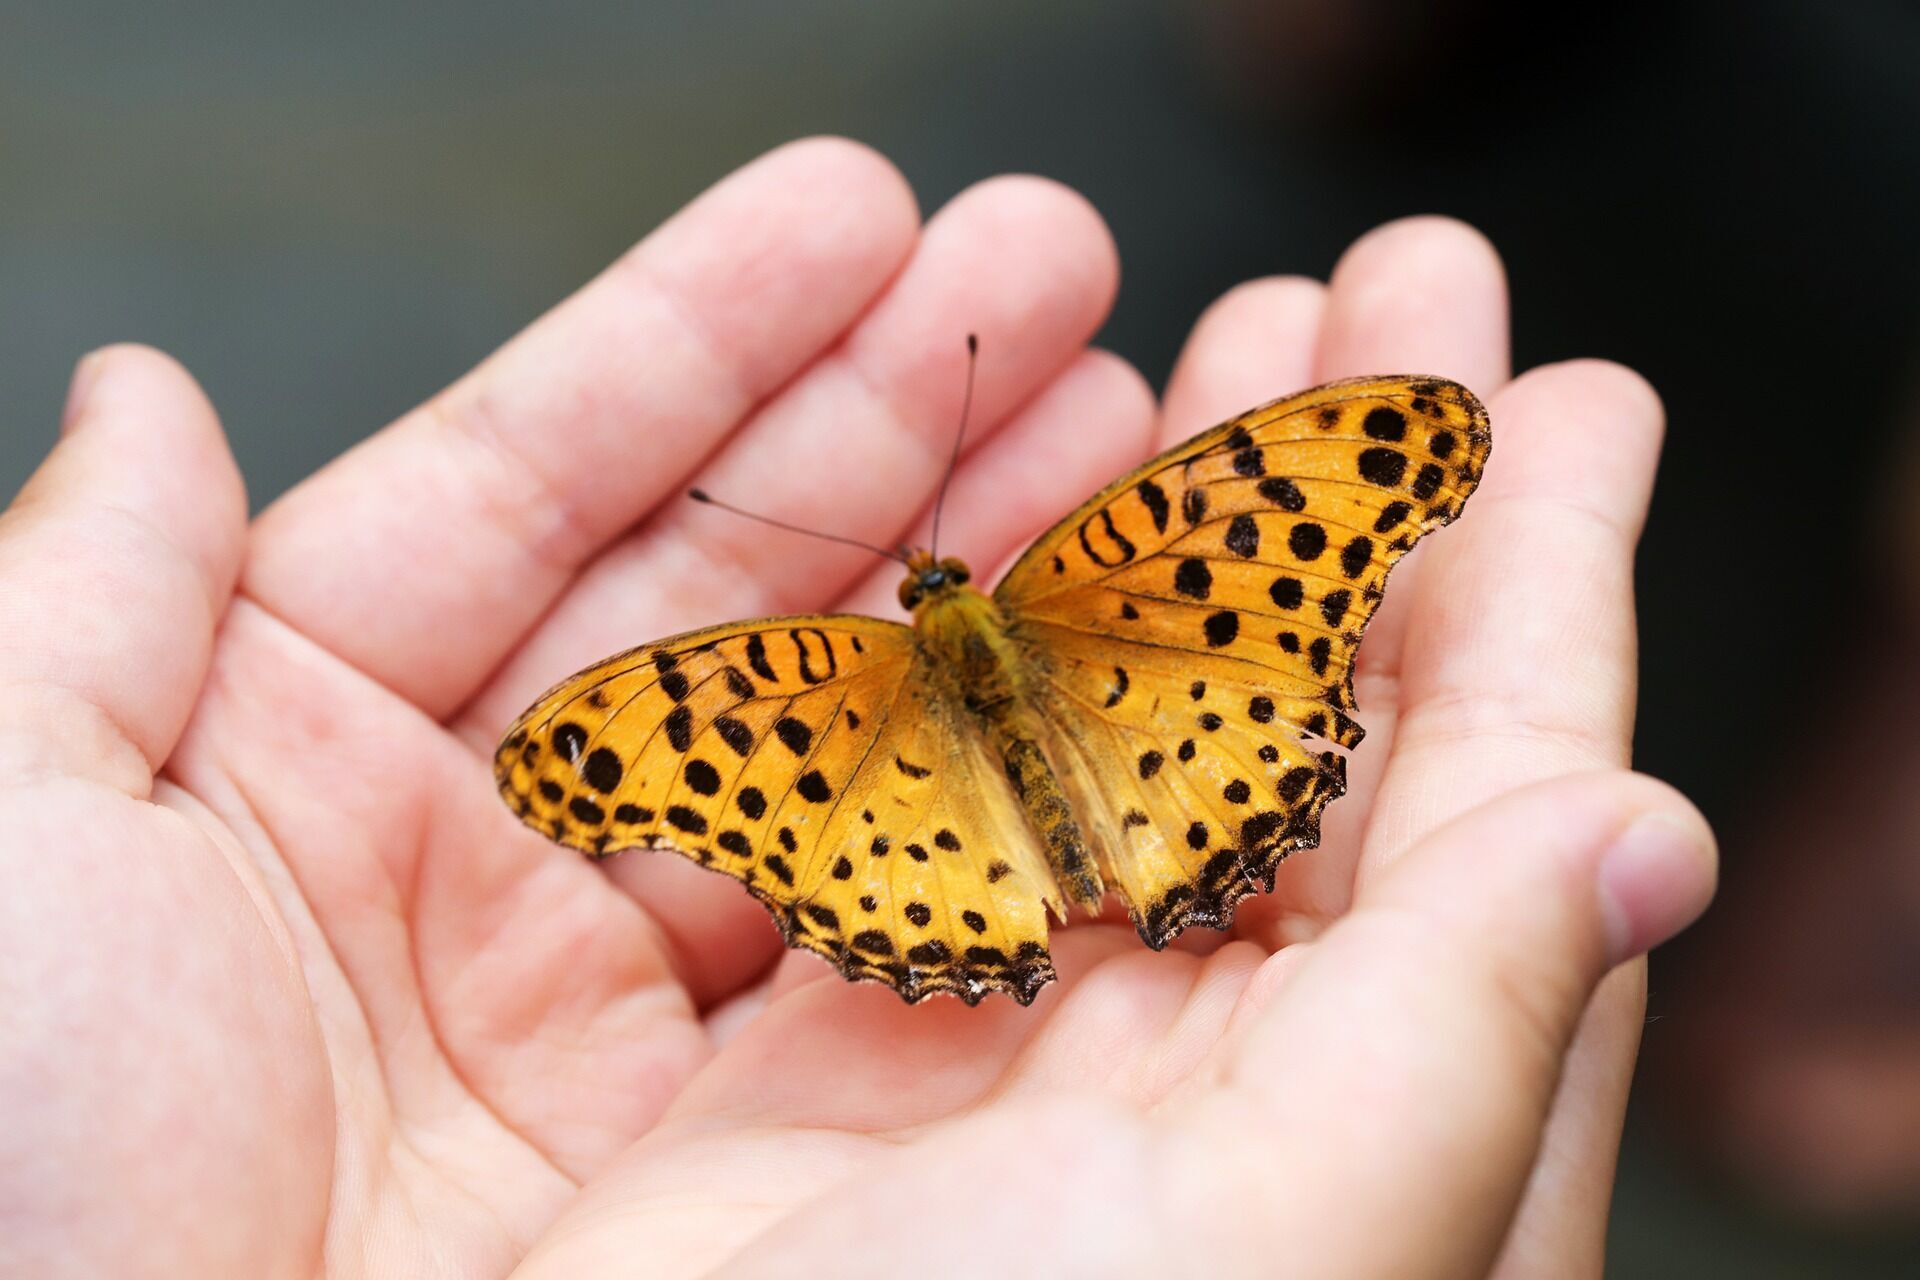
x=286 y=991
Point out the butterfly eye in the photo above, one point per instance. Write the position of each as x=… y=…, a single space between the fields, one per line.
x=910 y=593
x=956 y=572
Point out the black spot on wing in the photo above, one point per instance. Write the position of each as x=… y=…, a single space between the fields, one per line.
x=679 y=727
x=1243 y=536
x=1384 y=423
x=1383 y=467
x=814 y=667
x=1155 y=499
x=735 y=734
x=1391 y=516
x=1283 y=493
x=737 y=684
x=1114 y=550
x=1307 y=540
x=1194 y=506
x=602 y=770
x=702 y=777
x=793 y=734
x=757 y=659
x=1356 y=555
x=1193 y=578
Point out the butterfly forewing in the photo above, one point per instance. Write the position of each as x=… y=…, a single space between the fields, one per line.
x=1192 y=629
x=827 y=764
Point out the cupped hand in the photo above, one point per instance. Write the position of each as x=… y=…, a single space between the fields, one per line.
x=286 y=990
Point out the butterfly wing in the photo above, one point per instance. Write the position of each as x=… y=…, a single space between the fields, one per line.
x=826 y=763
x=1193 y=627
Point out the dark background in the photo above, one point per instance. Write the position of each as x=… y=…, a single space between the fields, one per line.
x=327 y=215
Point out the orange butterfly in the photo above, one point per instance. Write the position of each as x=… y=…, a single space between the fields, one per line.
x=1148 y=702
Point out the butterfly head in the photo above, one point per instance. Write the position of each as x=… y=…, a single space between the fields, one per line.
x=929 y=579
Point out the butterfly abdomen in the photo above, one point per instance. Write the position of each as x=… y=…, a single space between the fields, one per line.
x=1048 y=809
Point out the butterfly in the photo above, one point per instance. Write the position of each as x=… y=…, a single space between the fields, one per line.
x=1154 y=701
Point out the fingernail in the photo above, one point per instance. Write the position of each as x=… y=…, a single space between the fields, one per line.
x=85 y=374
x=1655 y=880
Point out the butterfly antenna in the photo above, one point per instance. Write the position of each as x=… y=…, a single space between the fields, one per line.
x=966 y=407
x=701 y=495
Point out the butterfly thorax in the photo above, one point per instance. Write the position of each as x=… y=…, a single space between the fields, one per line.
x=963 y=630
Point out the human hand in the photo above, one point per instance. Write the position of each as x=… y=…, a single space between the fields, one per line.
x=286 y=988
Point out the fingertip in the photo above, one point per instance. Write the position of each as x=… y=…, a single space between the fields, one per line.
x=1589 y=867
x=137 y=419
x=833 y=162
x=1433 y=246
x=1116 y=380
x=1254 y=343
x=1585 y=432
x=1424 y=294
x=127 y=369
x=1656 y=876
x=1604 y=388
x=1290 y=304
x=1025 y=207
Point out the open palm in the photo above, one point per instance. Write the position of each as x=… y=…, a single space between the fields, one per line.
x=286 y=989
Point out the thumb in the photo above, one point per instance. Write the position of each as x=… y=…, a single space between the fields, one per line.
x=1400 y=1074
x=116 y=562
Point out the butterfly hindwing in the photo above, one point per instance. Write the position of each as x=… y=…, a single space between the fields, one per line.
x=824 y=762
x=1193 y=629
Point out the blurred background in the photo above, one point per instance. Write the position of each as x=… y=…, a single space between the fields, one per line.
x=329 y=211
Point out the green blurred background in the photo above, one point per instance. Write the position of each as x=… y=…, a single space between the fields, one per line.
x=329 y=211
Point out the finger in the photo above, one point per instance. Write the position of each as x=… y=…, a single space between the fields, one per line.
x=422 y=555
x=1421 y=295
x=1525 y=609
x=1256 y=343
x=1538 y=577
x=1440 y=1011
x=856 y=446
x=1089 y=424
x=117 y=559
